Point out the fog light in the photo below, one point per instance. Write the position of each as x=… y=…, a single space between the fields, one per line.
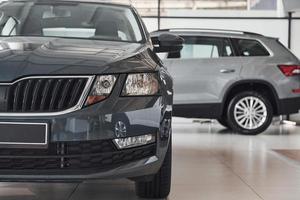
x=129 y=142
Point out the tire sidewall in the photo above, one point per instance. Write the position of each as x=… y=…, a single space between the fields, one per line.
x=223 y=121
x=231 y=119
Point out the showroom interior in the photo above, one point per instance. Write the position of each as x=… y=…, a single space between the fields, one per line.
x=211 y=161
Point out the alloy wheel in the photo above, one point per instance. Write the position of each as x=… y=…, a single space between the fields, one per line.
x=250 y=113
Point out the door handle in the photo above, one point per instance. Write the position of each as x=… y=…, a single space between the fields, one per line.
x=227 y=71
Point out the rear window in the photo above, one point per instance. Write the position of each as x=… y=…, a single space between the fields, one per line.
x=251 y=48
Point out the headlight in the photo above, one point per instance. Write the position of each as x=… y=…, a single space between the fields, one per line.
x=101 y=89
x=143 y=84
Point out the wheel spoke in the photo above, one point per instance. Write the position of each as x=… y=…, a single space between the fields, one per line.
x=254 y=121
x=240 y=117
x=240 y=108
x=247 y=103
x=257 y=118
x=248 y=123
x=243 y=120
x=251 y=102
x=240 y=112
x=255 y=104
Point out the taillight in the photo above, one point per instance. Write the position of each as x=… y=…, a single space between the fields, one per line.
x=290 y=70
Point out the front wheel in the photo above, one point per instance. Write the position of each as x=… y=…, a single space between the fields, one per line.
x=159 y=187
x=249 y=113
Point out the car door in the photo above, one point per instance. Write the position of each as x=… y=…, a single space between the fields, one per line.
x=203 y=69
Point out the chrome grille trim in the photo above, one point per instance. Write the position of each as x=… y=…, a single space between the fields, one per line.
x=78 y=106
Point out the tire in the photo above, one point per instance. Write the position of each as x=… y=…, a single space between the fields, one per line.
x=160 y=186
x=260 y=113
x=223 y=122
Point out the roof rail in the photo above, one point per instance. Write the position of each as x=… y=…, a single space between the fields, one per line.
x=208 y=30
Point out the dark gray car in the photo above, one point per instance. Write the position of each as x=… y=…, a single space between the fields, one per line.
x=83 y=95
x=242 y=79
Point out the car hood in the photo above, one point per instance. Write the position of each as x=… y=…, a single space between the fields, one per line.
x=28 y=56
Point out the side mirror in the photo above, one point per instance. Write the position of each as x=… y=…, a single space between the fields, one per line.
x=167 y=42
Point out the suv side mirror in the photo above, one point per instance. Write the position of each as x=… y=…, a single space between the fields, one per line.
x=167 y=42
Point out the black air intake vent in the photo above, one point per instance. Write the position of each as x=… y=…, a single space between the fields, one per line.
x=68 y=156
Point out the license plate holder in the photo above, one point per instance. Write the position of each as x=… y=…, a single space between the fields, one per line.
x=23 y=135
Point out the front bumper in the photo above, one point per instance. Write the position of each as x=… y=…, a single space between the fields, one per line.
x=85 y=129
x=78 y=171
x=144 y=167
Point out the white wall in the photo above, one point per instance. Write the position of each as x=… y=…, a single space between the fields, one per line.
x=151 y=23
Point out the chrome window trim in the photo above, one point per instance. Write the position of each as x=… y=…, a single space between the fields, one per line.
x=78 y=106
x=24 y=143
x=207 y=31
x=229 y=37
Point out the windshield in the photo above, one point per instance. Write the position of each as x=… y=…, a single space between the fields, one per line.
x=70 y=20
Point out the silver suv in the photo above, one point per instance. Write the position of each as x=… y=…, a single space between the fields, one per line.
x=242 y=79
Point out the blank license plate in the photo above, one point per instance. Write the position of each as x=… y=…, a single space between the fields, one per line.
x=23 y=135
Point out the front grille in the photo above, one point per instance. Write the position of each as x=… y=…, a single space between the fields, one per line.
x=73 y=156
x=44 y=94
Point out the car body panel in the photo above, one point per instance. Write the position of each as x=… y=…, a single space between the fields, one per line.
x=27 y=56
x=267 y=69
x=205 y=77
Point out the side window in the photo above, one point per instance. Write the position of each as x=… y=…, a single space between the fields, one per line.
x=201 y=47
x=204 y=47
x=251 y=48
x=9 y=27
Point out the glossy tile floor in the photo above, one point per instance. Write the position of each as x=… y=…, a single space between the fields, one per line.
x=210 y=163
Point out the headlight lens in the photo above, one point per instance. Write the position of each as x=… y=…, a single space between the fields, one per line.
x=142 y=84
x=101 y=89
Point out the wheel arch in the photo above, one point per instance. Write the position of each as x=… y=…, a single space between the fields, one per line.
x=261 y=86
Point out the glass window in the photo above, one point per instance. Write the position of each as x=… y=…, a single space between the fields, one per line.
x=204 y=47
x=9 y=28
x=71 y=20
x=251 y=48
x=199 y=51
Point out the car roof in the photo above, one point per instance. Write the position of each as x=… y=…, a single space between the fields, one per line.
x=209 y=32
